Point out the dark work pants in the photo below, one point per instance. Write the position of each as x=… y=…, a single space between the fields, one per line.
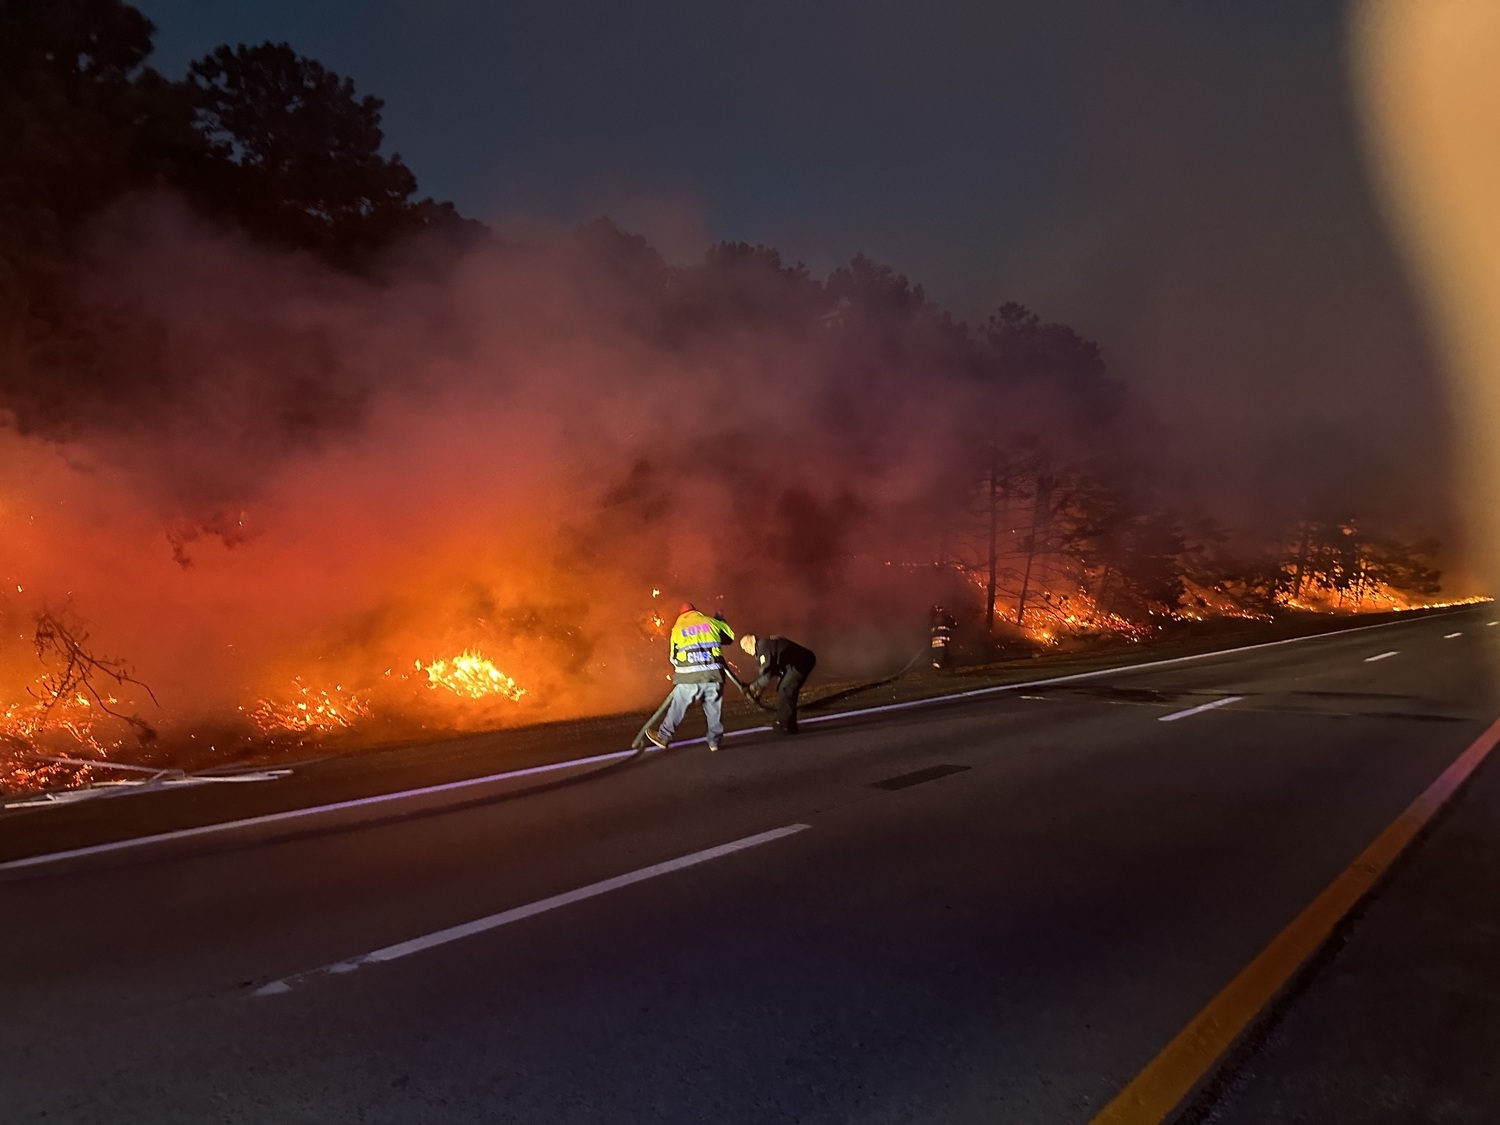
x=786 y=700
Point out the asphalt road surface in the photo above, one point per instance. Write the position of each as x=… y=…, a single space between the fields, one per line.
x=990 y=910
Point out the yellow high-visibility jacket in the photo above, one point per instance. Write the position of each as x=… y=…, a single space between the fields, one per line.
x=698 y=648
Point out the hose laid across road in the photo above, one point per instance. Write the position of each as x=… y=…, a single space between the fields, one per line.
x=845 y=693
x=639 y=743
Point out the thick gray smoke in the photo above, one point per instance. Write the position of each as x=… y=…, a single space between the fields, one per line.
x=310 y=483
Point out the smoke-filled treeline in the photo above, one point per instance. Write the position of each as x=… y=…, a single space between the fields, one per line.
x=286 y=436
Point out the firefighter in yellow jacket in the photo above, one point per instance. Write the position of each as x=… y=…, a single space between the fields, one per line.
x=697 y=649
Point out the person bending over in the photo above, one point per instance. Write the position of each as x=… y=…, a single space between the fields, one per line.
x=777 y=656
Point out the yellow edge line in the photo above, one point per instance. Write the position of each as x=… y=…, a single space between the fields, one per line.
x=1180 y=1068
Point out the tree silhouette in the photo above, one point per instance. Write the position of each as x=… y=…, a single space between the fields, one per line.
x=297 y=153
x=83 y=121
x=1035 y=484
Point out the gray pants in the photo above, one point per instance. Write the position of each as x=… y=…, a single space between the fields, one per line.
x=683 y=696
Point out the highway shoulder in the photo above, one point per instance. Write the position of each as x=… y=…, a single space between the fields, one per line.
x=1403 y=1023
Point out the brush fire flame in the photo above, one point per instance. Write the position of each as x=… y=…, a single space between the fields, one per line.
x=71 y=722
x=1051 y=616
x=310 y=710
x=45 y=721
x=471 y=675
x=74 y=715
x=1376 y=598
x=23 y=774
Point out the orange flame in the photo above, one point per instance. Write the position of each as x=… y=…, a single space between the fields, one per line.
x=311 y=709
x=74 y=714
x=1376 y=598
x=471 y=675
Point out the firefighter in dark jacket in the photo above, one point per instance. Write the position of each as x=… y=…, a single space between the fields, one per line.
x=943 y=624
x=777 y=656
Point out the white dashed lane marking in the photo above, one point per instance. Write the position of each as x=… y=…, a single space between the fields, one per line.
x=1175 y=715
x=1450 y=636
x=516 y=914
x=1382 y=656
x=620 y=755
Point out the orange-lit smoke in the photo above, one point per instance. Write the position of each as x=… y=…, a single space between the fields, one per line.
x=440 y=501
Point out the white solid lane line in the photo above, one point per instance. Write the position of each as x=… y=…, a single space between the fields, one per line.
x=1450 y=636
x=1116 y=670
x=515 y=914
x=599 y=759
x=311 y=810
x=1175 y=715
x=1382 y=656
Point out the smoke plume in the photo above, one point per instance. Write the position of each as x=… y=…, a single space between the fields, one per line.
x=309 y=486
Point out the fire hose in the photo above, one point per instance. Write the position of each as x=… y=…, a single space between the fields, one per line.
x=856 y=689
x=639 y=742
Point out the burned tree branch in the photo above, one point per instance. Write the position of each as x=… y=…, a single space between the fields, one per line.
x=56 y=640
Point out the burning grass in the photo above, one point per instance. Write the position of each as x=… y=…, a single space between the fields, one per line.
x=350 y=608
x=62 y=730
x=471 y=675
x=310 y=710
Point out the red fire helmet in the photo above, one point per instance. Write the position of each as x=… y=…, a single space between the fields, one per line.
x=685 y=607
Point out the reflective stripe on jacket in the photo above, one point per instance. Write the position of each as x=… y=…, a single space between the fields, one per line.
x=697 y=648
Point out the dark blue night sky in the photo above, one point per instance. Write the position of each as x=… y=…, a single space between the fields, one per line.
x=1182 y=181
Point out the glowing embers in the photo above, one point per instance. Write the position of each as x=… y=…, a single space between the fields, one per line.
x=52 y=723
x=72 y=700
x=471 y=675
x=314 y=710
x=73 y=714
x=321 y=710
x=21 y=773
x=68 y=723
x=654 y=624
x=1050 y=617
x=1371 y=598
